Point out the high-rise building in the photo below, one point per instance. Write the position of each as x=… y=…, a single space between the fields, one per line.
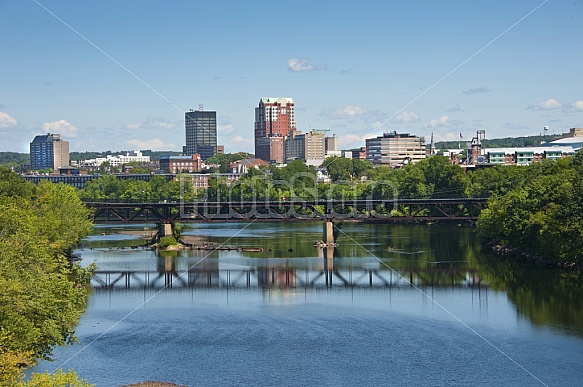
x=274 y=119
x=201 y=133
x=49 y=151
x=395 y=149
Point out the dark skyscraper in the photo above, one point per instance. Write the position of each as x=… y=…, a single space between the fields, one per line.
x=201 y=133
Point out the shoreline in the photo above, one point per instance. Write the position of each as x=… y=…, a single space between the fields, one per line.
x=500 y=249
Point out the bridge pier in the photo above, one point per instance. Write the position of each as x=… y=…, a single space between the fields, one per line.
x=328 y=236
x=165 y=229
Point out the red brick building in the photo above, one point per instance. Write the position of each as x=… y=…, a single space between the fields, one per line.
x=274 y=119
x=178 y=164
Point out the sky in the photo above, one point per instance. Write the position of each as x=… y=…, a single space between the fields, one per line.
x=119 y=75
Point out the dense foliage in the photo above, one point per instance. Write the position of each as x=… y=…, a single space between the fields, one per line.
x=543 y=213
x=42 y=294
x=110 y=188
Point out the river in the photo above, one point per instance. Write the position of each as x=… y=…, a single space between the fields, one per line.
x=390 y=305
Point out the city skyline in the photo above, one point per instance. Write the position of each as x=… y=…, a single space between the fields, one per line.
x=110 y=76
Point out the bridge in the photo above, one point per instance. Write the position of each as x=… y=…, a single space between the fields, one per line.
x=296 y=209
x=329 y=274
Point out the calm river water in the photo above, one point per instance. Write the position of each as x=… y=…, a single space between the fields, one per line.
x=391 y=305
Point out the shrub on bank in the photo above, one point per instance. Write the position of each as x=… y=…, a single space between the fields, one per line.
x=167 y=241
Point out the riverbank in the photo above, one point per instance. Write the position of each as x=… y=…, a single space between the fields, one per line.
x=500 y=249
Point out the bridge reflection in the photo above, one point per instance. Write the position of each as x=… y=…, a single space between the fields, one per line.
x=327 y=272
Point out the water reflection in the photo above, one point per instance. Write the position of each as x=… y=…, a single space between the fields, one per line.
x=199 y=269
x=368 y=256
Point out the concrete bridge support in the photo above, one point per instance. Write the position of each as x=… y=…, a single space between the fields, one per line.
x=166 y=229
x=328 y=237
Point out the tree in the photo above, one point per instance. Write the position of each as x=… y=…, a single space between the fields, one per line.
x=343 y=169
x=443 y=178
x=58 y=379
x=43 y=294
x=542 y=215
x=65 y=217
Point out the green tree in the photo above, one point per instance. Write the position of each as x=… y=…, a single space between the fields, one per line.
x=43 y=294
x=57 y=379
x=542 y=214
x=343 y=169
x=65 y=216
x=442 y=177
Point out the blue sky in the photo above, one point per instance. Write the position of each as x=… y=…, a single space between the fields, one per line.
x=124 y=79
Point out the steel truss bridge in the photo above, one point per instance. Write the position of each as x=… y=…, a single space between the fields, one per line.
x=373 y=209
x=285 y=278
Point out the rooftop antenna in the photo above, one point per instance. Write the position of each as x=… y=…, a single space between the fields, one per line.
x=200 y=107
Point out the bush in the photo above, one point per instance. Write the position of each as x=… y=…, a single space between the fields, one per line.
x=167 y=241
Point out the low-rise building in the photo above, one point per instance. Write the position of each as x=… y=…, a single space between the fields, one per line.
x=115 y=160
x=243 y=166
x=179 y=164
x=201 y=180
x=526 y=156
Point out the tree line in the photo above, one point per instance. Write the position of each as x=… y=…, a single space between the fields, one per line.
x=42 y=293
x=542 y=214
x=434 y=177
x=535 y=208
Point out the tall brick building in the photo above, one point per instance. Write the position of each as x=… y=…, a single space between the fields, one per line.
x=274 y=119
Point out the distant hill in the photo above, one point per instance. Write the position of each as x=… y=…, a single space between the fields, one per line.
x=507 y=142
x=14 y=158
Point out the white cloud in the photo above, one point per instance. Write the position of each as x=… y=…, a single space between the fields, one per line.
x=346 y=112
x=578 y=105
x=405 y=117
x=153 y=144
x=440 y=122
x=6 y=121
x=62 y=127
x=549 y=104
x=299 y=65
